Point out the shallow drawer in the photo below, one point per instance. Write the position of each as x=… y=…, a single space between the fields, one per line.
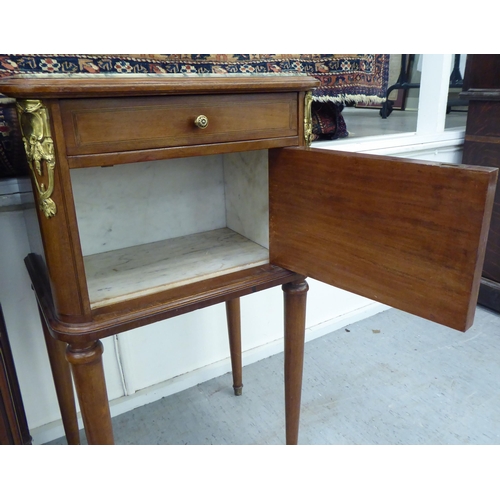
x=127 y=124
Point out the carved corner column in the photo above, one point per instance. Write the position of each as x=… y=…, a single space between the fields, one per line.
x=88 y=374
x=44 y=143
x=295 y=298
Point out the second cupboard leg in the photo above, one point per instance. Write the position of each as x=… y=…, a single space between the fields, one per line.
x=234 y=330
x=88 y=374
x=63 y=384
x=295 y=295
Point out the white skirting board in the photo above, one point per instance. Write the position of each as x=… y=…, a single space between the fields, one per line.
x=54 y=430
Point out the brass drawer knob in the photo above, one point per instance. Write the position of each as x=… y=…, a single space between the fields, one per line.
x=201 y=121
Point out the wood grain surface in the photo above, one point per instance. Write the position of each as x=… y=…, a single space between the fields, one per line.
x=405 y=233
x=108 y=125
x=132 y=85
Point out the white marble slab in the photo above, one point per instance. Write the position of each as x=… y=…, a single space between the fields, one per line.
x=133 y=204
x=140 y=270
x=164 y=76
x=247 y=194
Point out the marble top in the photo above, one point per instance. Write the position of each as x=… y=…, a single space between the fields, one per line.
x=133 y=272
x=154 y=75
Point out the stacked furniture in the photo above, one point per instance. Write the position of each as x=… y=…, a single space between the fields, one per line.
x=482 y=147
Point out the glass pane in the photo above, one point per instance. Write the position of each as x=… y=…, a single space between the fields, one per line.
x=456 y=111
x=399 y=114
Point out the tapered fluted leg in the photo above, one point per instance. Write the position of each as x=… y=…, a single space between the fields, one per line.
x=88 y=374
x=63 y=384
x=295 y=295
x=234 y=330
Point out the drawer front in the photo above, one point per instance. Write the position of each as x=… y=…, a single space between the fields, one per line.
x=126 y=124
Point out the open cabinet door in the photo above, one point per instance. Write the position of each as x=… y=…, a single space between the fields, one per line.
x=406 y=233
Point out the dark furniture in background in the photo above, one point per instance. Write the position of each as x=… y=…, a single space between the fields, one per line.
x=13 y=423
x=482 y=147
x=12 y=154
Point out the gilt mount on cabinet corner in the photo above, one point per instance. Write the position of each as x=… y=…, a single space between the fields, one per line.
x=37 y=139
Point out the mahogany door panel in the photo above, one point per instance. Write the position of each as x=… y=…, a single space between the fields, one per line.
x=405 y=233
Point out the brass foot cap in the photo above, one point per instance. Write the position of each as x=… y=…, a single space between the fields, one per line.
x=238 y=390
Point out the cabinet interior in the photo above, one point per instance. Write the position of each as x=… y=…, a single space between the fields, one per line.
x=151 y=226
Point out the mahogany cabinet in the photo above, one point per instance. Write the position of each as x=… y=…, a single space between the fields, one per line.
x=13 y=424
x=482 y=147
x=406 y=233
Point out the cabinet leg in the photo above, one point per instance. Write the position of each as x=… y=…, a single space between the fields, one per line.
x=295 y=295
x=234 y=330
x=88 y=374
x=63 y=384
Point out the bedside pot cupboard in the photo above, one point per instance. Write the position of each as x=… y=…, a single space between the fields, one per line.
x=236 y=202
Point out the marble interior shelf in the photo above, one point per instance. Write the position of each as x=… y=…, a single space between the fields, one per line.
x=140 y=270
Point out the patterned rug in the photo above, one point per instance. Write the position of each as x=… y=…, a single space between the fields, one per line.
x=344 y=78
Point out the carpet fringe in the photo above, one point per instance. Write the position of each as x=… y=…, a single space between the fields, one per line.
x=343 y=99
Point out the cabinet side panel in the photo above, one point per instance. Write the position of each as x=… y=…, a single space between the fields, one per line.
x=33 y=230
x=247 y=195
x=405 y=233
x=60 y=237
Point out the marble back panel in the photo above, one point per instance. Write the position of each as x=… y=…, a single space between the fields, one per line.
x=133 y=204
x=126 y=205
x=247 y=194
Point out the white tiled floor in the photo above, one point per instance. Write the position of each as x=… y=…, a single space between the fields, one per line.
x=392 y=378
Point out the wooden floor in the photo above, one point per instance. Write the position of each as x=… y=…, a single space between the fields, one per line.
x=390 y=379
